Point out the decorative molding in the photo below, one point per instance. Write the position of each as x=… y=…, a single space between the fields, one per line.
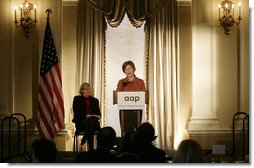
x=65 y=1
x=184 y=3
x=70 y=2
x=103 y=113
x=212 y=132
x=183 y=0
x=147 y=48
x=203 y=124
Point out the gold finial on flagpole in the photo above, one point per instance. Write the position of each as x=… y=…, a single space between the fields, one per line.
x=48 y=11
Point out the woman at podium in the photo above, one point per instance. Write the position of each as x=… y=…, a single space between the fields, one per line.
x=130 y=119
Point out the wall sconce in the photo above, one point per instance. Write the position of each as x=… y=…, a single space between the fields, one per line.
x=227 y=19
x=26 y=9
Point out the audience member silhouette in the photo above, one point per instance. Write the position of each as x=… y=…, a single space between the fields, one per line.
x=105 y=153
x=128 y=150
x=189 y=151
x=44 y=151
x=148 y=153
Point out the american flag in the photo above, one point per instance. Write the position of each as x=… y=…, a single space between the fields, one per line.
x=50 y=97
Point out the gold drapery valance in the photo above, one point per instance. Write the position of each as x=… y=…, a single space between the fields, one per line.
x=137 y=10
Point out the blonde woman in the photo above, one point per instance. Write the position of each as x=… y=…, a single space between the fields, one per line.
x=86 y=114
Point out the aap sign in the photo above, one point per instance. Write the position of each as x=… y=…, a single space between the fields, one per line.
x=131 y=98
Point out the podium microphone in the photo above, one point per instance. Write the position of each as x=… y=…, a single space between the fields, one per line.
x=125 y=84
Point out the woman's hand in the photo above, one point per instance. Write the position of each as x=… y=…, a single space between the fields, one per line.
x=88 y=115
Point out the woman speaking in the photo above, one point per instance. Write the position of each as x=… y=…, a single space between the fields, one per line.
x=130 y=119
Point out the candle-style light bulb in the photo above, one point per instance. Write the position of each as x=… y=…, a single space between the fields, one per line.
x=219 y=6
x=239 y=9
x=27 y=10
x=15 y=12
x=34 y=12
x=21 y=8
x=226 y=6
x=233 y=6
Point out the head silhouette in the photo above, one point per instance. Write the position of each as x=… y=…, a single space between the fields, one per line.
x=145 y=133
x=128 y=141
x=44 y=150
x=189 y=151
x=106 y=137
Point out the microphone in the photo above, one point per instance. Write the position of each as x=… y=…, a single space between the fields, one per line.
x=125 y=83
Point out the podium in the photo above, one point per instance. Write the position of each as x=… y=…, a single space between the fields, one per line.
x=132 y=107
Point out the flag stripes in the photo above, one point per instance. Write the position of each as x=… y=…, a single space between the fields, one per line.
x=50 y=96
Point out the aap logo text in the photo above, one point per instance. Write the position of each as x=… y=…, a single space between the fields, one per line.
x=132 y=98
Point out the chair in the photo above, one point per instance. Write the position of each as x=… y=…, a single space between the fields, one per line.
x=76 y=141
x=13 y=118
x=244 y=118
x=93 y=123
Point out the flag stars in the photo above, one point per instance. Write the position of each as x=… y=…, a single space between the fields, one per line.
x=49 y=57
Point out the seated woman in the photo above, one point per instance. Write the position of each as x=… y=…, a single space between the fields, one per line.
x=86 y=114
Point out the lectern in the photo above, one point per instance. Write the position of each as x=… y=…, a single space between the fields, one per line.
x=132 y=107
